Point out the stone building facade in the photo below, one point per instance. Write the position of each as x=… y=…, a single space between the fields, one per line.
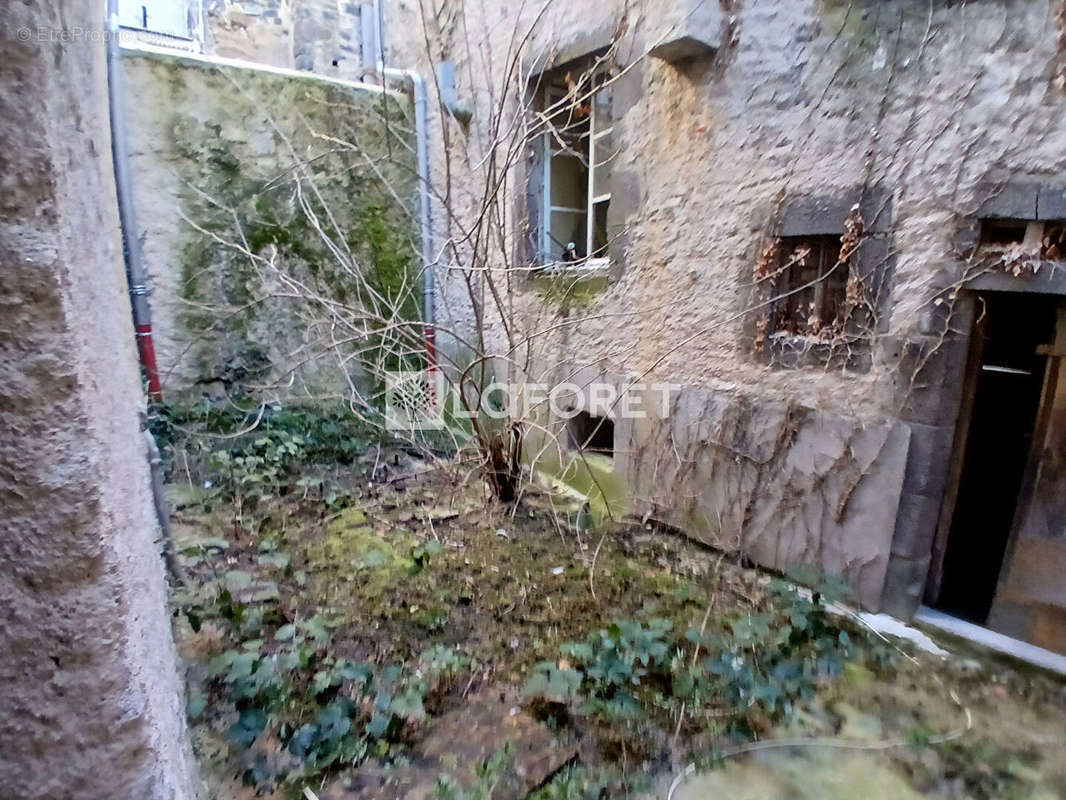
x=855 y=427
x=844 y=413
x=321 y=36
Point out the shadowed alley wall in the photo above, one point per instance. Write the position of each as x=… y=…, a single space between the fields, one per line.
x=90 y=704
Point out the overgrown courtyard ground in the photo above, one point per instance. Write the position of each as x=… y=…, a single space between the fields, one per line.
x=360 y=620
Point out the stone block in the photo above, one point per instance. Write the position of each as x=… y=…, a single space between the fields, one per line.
x=1011 y=619
x=576 y=43
x=782 y=484
x=935 y=319
x=686 y=29
x=968 y=237
x=627 y=90
x=903 y=587
x=1051 y=203
x=929 y=380
x=823 y=215
x=627 y=196
x=928 y=459
x=1010 y=200
x=916 y=523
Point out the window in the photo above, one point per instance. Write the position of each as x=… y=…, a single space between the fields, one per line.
x=591 y=434
x=811 y=284
x=1048 y=239
x=578 y=149
x=1053 y=244
x=170 y=17
x=1002 y=233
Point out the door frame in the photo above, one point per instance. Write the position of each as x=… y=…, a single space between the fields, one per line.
x=975 y=352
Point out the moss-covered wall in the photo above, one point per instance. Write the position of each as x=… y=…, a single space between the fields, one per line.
x=255 y=186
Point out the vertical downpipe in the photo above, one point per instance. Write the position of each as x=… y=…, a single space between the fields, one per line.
x=131 y=245
x=135 y=277
x=425 y=222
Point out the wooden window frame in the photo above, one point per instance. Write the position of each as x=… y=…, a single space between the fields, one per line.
x=554 y=96
x=827 y=285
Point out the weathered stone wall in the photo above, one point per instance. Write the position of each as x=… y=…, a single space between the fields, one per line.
x=322 y=36
x=806 y=109
x=90 y=703
x=256 y=187
x=786 y=485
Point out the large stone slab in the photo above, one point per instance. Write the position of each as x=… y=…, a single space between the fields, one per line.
x=456 y=745
x=784 y=485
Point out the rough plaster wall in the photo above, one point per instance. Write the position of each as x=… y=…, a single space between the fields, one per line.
x=90 y=703
x=934 y=103
x=216 y=157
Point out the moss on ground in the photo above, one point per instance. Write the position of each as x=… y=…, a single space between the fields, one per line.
x=424 y=560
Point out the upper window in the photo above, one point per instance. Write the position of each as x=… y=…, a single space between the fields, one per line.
x=811 y=284
x=578 y=148
x=170 y=17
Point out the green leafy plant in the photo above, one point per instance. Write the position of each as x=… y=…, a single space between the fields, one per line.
x=326 y=710
x=621 y=655
x=489 y=776
x=610 y=664
x=577 y=782
x=775 y=657
x=420 y=554
x=554 y=683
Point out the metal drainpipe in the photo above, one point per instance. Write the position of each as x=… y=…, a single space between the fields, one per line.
x=131 y=245
x=422 y=155
x=135 y=277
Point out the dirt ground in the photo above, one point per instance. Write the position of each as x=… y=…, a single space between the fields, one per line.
x=417 y=567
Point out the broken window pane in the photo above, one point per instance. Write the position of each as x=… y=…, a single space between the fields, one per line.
x=566 y=227
x=569 y=182
x=603 y=158
x=599 y=230
x=602 y=107
x=591 y=434
x=580 y=150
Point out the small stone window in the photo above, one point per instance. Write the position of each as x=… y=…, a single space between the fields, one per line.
x=811 y=284
x=1046 y=240
x=1053 y=243
x=822 y=284
x=591 y=434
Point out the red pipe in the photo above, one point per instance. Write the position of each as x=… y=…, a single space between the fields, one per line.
x=431 y=364
x=147 y=352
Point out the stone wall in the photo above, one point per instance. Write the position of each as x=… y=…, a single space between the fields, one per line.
x=90 y=702
x=322 y=36
x=264 y=198
x=786 y=485
x=815 y=105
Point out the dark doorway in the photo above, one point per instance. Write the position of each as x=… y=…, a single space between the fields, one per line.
x=1006 y=378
